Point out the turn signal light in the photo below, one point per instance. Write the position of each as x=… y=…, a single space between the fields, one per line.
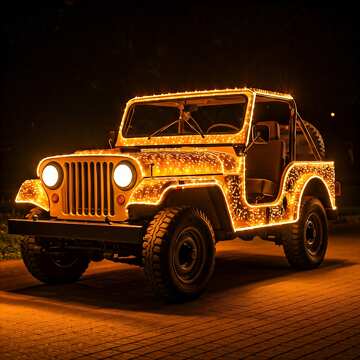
x=120 y=199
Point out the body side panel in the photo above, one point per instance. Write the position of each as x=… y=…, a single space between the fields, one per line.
x=243 y=215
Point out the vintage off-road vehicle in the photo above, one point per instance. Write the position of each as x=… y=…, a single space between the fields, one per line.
x=187 y=170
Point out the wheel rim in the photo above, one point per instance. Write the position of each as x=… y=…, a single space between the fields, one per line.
x=64 y=260
x=313 y=235
x=189 y=256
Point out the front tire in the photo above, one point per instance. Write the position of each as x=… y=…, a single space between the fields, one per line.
x=306 y=242
x=179 y=253
x=63 y=268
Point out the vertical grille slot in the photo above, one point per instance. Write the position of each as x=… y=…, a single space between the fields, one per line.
x=98 y=189
x=92 y=189
x=66 y=206
x=85 y=192
x=111 y=197
x=80 y=194
x=72 y=189
x=89 y=189
x=105 y=188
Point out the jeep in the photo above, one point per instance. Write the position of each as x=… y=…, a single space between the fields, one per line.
x=187 y=170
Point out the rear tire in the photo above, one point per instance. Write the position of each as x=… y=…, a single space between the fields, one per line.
x=306 y=242
x=64 y=268
x=179 y=253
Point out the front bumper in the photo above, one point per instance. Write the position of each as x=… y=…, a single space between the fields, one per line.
x=78 y=230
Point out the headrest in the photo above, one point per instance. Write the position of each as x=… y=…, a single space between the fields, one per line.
x=274 y=129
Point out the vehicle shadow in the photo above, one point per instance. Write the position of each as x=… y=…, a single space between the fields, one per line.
x=345 y=230
x=124 y=288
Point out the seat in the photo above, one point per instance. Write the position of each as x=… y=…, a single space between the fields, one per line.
x=260 y=187
x=264 y=164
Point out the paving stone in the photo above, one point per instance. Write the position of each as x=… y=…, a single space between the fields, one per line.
x=255 y=308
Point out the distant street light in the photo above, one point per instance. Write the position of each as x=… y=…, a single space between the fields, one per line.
x=332 y=114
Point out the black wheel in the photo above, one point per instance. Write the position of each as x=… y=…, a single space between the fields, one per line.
x=64 y=267
x=306 y=243
x=179 y=253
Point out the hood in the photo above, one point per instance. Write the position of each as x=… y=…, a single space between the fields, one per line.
x=183 y=163
x=163 y=162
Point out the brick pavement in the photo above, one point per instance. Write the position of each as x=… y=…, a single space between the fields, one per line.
x=255 y=308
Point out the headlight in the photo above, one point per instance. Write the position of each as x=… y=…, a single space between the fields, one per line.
x=125 y=175
x=52 y=175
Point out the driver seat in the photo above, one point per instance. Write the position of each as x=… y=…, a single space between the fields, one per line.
x=264 y=164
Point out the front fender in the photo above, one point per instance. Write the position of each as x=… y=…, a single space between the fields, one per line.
x=33 y=192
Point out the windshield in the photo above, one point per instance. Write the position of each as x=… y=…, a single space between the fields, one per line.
x=216 y=115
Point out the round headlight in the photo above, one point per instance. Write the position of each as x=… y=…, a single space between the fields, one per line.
x=52 y=175
x=125 y=175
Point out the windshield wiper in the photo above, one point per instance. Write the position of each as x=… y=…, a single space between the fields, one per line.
x=162 y=129
x=183 y=118
x=198 y=128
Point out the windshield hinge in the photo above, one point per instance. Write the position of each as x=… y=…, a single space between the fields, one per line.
x=239 y=148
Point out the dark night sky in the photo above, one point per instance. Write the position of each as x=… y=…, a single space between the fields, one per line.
x=69 y=67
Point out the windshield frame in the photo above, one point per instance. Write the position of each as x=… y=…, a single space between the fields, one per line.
x=188 y=139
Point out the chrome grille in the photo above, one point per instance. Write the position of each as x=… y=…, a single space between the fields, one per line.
x=89 y=189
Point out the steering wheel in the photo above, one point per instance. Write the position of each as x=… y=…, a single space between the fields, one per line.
x=213 y=126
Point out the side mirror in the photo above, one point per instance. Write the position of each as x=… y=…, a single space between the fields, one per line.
x=260 y=134
x=111 y=138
